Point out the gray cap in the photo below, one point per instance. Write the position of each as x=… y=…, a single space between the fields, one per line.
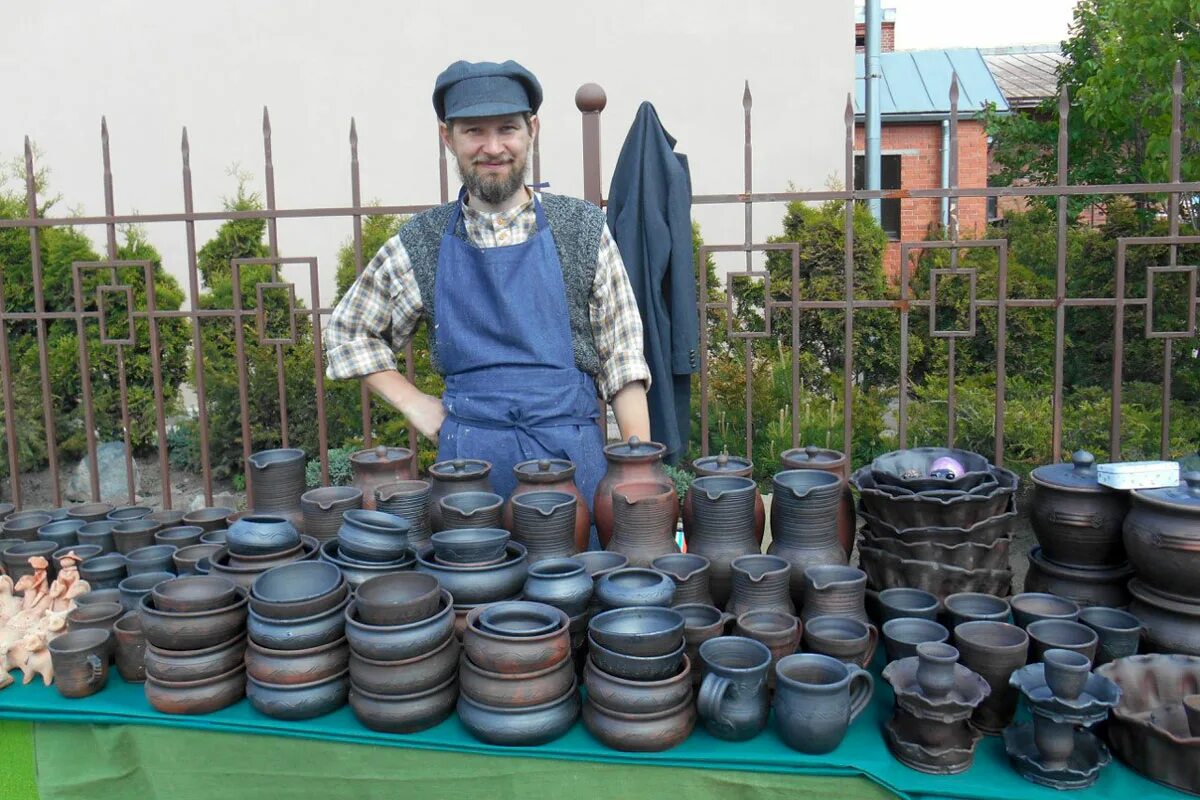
x=485 y=90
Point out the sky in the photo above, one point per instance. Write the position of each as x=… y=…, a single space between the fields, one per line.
x=922 y=24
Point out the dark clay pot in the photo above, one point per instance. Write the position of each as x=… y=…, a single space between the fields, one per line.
x=690 y=572
x=378 y=466
x=760 y=582
x=1029 y=607
x=804 y=527
x=974 y=606
x=356 y=572
x=404 y=713
x=99 y=533
x=80 y=553
x=470 y=510
x=398 y=598
x=372 y=536
x=635 y=586
x=98 y=616
x=298 y=634
x=637 y=697
x=515 y=690
x=458 y=475
x=155 y=558
x=560 y=582
x=80 y=660
x=185 y=558
x=407 y=676
x=901 y=637
x=400 y=642
x=726 y=466
x=1162 y=536
x=408 y=499
x=520 y=727
x=644 y=515
x=179 y=536
x=135 y=587
x=1077 y=520
x=24 y=526
x=632 y=461
x=90 y=512
x=261 y=534
x=780 y=632
x=288 y=667
x=994 y=650
x=192 y=630
x=650 y=732
x=210 y=518
x=545 y=522
x=1119 y=632
x=515 y=654
x=299 y=700
x=833 y=462
x=16 y=558
x=169 y=517
x=130 y=513
x=479 y=584
x=275 y=480
x=134 y=534
x=901 y=602
x=844 y=638
x=175 y=666
x=550 y=475
x=130 y=648
x=1052 y=634
x=197 y=697
x=64 y=532
x=722 y=527
x=1087 y=587
x=104 y=571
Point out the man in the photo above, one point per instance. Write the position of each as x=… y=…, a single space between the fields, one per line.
x=525 y=294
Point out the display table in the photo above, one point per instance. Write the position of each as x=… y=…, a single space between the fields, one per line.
x=114 y=745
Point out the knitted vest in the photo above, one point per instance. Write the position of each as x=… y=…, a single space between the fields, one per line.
x=575 y=225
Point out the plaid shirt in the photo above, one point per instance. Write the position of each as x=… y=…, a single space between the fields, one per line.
x=378 y=314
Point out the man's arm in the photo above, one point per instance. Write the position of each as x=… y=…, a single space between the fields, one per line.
x=632 y=412
x=424 y=411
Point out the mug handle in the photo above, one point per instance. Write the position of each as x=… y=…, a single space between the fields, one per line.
x=872 y=643
x=712 y=692
x=862 y=689
x=97 y=668
x=726 y=618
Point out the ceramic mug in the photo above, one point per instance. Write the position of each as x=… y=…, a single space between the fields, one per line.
x=733 y=700
x=816 y=699
x=80 y=660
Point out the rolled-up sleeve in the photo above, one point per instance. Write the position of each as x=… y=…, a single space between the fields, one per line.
x=616 y=323
x=375 y=318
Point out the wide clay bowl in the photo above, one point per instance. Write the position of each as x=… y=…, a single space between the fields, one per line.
x=214 y=536
x=974 y=606
x=404 y=713
x=511 y=654
x=182 y=536
x=135 y=587
x=222 y=563
x=112 y=595
x=210 y=518
x=904 y=602
x=169 y=517
x=637 y=696
x=63 y=532
x=261 y=534
x=174 y=666
x=1030 y=607
x=193 y=630
x=399 y=642
x=264 y=561
x=635 y=668
x=640 y=732
x=134 y=534
x=635 y=586
x=97 y=615
x=126 y=513
x=519 y=618
x=17 y=556
x=485 y=584
x=79 y=552
x=89 y=512
x=25 y=525
x=185 y=558
x=469 y=545
x=1061 y=634
x=297 y=590
x=902 y=636
x=98 y=533
x=398 y=598
x=515 y=690
x=194 y=593
x=372 y=536
x=154 y=558
x=645 y=631
x=599 y=563
x=197 y=697
x=298 y=634
x=520 y=727
x=357 y=574
x=286 y=667
x=409 y=675
x=299 y=700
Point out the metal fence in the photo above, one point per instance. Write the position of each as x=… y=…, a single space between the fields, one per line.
x=590 y=101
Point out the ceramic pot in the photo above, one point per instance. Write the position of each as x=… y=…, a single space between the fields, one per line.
x=155 y=558
x=701 y=623
x=479 y=584
x=638 y=631
x=404 y=713
x=372 y=536
x=356 y=572
x=130 y=648
x=185 y=558
x=470 y=510
x=974 y=606
x=994 y=650
x=804 y=527
x=816 y=699
x=550 y=475
x=640 y=733
x=80 y=660
x=635 y=668
x=733 y=702
x=398 y=599
x=599 y=563
x=458 y=475
x=1050 y=634
x=560 y=582
x=16 y=557
x=544 y=521
x=935 y=669
x=725 y=466
x=408 y=499
x=836 y=590
x=169 y=517
x=297 y=590
x=631 y=461
x=97 y=616
x=24 y=526
x=722 y=527
x=844 y=638
x=197 y=697
x=210 y=518
x=644 y=516
x=901 y=637
x=899 y=603
x=105 y=571
x=625 y=696
x=1066 y=672
x=291 y=667
x=275 y=481
x=778 y=631
x=98 y=533
x=322 y=509
x=1030 y=607
x=298 y=701
x=400 y=642
x=1087 y=587
x=634 y=586
x=515 y=690
x=1119 y=632
x=409 y=675
x=833 y=462
x=378 y=466
x=135 y=587
x=515 y=654
x=963 y=555
x=522 y=727
x=134 y=534
x=78 y=553
x=470 y=546
x=63 y=532
x=1162 y=536
x=1076 y=519
x=690 y=572
x=298 y=634
x=110 y=595
x=760 y=582
x=90 y=512
x=185 y=666
x=179 y=536
x=519 y=619
x=192 y=630
x=130 y=513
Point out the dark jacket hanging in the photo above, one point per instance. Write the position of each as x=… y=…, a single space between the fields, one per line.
x=650 y=216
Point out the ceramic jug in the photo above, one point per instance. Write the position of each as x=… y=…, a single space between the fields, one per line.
x=644 y=515
x=733 y=700
x=726 y=466
x=760 y=583
x=816 y=699
x=722 y=527
x=276 y=482
x=804 y=522
x=836 y=590
x=376 y=466
x=408 y=499
x=551 y=475
x=634 y=460
x=545 y=522
x=458 y=475
x=835 y=463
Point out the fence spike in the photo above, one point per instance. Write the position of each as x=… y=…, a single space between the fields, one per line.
x=266 y=122
x=747 y=98
x=1064 y=103
x=1177 y=79
x=849 y=115
x=353 y=133
x=954 y=89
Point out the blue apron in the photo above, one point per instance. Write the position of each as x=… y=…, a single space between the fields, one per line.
x=513 y=392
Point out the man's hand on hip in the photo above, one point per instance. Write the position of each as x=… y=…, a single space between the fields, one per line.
x=425 y=412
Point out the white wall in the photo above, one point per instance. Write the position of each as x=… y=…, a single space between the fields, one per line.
x=154 y=67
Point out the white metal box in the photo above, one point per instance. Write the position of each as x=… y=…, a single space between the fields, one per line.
x=1138 y=474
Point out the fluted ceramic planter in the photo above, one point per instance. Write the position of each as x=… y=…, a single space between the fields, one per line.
x=722 y=527
x=644 y=514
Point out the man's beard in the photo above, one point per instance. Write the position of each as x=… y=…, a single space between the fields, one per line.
x=492 y=189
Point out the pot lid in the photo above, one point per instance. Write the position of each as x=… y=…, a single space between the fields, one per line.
x=723 y=464
x=544 y=470
x=635 y=449
x=1185 y=497
x=1079 y=475
x=381 y=455
x=460 y=469
x=812 y=456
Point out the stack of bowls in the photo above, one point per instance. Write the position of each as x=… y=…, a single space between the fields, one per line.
x=195 y=629
x=403 y=653
x=257 y=542
x=565 y=584
x=477 y=565
x=938 y=530
x=517 y=675
x=369 y=543
x=638 y=679
x=297 y=660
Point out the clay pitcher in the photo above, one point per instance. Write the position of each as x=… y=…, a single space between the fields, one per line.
x=722 y=527
x=726 y=466
x=376 y=466
x=644 y=514
x=408 y=499
x=760 y=583
x=545 y=523
x=634 y=460
x=804 y=529
x=450 y=477
x=690 y=571
x=836 y=463
x=837 y=590
x=277 y=482
x=551 y=475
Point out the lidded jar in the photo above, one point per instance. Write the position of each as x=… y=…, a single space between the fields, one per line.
x=550 y=475
x=836 y=463
x=1076 y=519
x=725 y=465
x=633 y=460
x=376 y=466
x=451 y=477
x=1162 y=538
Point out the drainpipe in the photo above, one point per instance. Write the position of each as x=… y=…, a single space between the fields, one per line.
x=873 y=162
x=945 y=161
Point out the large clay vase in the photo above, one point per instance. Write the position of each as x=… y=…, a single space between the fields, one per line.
x=722 y=527
x=760 y=583
x=551 y=475
x=449 y=477
x=835 y=463
x=634 y=460
x=377 y=466
x=804 y=527
x=835 y=590
x=726 y=466
x=545 y=523
x=277 y=482
x=644 y=514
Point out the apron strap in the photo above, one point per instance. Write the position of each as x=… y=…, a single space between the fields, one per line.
x=527 y=432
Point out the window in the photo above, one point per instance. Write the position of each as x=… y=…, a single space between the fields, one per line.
x=889 y=178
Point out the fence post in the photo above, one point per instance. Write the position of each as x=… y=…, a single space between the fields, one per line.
x=590 y=99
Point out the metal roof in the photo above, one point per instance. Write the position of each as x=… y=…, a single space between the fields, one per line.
x=1027 y=75
x=916 y=84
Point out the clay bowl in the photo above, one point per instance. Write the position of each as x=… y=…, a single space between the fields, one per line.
x=100 y=616
x=16 y=557
x=194 y=593
x=901 y=636
x=287 y=667
x=406 y=676
x=299 y=700
x=599 y=563
x=210 y=518
x=154 y=558
x=90 y=512
x=135 y=587
x=214 y=536
x=221 y=564
x=519 y=618
x=635 y=586
x=98 y=533
x=644 y=631
x=24 y=526
x=193 y=630
x=904 y=602
x=1061 y=634
x=637 y=696
x=641 y=733
x=973 y=607
x=182 y=536
x=80 y=552
x=63 y=532
x=515 y=690
x=461 y=610
x=397 y=599
x=301 y=633
x=176 y=666
x=357 y=574
x=404 y=713
x=485 y=584
x=513 y=654
x=400 y=642
x=185 y=558
x=491 y=562
x=1119 y=632
x=197 y=697
x=1033 y=606
x=134 y=534
x=170 y=518
x=529 y=726
x=264 y=561
x=261 y=535
x=635 y=668
x=128 y=513
x=112 y=595
x=297 y=590
x=469 y=545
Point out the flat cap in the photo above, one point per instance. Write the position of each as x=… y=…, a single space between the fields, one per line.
x=485 y=89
